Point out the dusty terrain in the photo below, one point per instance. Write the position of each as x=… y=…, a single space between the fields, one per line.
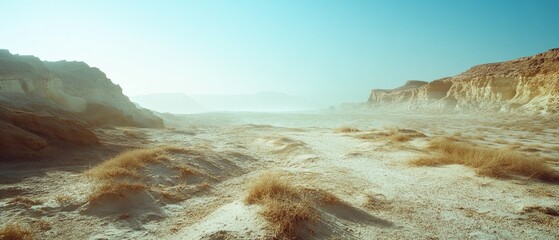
x=350 y=172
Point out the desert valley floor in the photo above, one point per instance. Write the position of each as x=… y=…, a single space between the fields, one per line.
x=355 y=174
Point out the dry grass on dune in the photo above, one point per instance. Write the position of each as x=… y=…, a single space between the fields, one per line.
x=15 y=232
x=121 y=174
x=114 y=190
x=285 y=206
x=498 y=163
x=128 y=163
x=393 y=135
x=346 y=130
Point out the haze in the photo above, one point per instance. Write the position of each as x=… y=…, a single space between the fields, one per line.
x=328 y=52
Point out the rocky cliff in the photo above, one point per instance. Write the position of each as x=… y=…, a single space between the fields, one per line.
x=528 y=85
x=50 y=106
x=70 y=89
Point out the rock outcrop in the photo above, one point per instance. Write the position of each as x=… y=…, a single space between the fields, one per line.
x=25 y=134
x=528 y=85
x=71 y=90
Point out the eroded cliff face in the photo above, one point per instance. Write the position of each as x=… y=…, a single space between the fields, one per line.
x=527 y=85
x=70 y=89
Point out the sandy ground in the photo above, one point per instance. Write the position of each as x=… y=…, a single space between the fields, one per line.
x=384 y=197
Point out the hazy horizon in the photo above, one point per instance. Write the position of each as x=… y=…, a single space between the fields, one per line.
x=328 y=51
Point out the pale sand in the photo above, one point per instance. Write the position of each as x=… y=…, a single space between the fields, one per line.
x=447 y=202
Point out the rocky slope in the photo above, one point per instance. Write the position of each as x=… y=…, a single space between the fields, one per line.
x=53 y=105
x=528 y=85
x=26 y=134
x=70 y=89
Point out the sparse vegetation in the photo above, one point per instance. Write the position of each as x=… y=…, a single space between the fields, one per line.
x=491 y=162
x=393 y=135
x=346 y=130
x=14 y=231
x=115 y=190
x=376 y=202
x=285 y=206
x=127 y=164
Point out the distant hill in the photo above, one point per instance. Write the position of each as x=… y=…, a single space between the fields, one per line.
x=177 y=103
x=261 y=102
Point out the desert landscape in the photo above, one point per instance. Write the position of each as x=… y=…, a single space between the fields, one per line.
x=279 y=120
x=474 y=156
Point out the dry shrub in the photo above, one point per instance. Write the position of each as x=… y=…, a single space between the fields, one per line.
x=111 y=190
x=15 y=232
x=376 y=202
x=285 y=206
x=490 y=162
x=346 y=130
x=393 y=135
x=399 y=137
x=127 y=163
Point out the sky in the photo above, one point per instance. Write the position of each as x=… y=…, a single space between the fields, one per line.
x=330 y=51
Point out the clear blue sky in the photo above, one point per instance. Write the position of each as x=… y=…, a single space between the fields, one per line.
x=334 y=51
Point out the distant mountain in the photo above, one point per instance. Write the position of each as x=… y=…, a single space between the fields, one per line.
x=169 y=103
x=262 y=101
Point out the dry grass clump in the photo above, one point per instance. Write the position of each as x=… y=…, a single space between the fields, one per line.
x=128 y=163
x=490 y=162
x=376 y=202
x=111 y=190
x=393 y=135
x=346 y=130
x=15 y=232
x=285 y=206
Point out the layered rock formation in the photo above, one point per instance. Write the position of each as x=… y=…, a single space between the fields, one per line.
x=70 y=89
x=528 y=85
x=47 y=105
x=25 y=134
